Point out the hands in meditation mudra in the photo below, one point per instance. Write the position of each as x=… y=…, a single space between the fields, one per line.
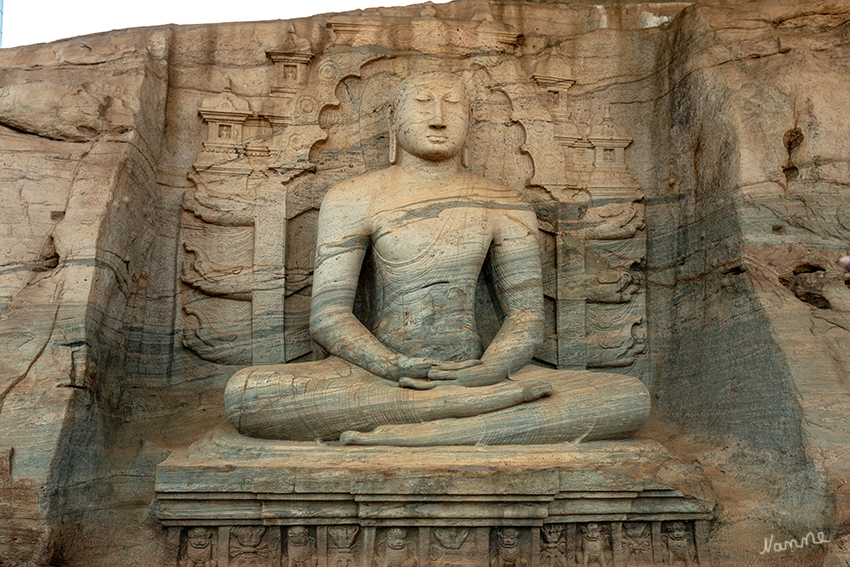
x=417 y=373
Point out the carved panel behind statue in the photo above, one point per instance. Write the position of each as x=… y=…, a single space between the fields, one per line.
x=324 y=119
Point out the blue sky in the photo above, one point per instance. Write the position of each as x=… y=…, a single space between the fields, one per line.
x=36 y=21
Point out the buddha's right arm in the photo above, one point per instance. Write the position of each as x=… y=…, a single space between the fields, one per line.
x=343 y=239
x=334 y=326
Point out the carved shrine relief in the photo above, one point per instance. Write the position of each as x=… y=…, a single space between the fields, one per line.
x=300 y=548
x=428 y=34
x=593 y=240
x=637 y=544
x=615 y=246
x=343 y=545
x=396 y=550
x=592 y=545
x=252 y=546
x=235 y=220
x=553 y=545
x=290 y=103
x=679 y=544
x=224 y=149
x=232 y=269
x=508 y=550
x=450 y=546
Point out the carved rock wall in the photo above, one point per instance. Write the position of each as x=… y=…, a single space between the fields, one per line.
x=736 y=115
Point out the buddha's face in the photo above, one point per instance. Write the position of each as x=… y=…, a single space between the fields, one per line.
x=431 y=117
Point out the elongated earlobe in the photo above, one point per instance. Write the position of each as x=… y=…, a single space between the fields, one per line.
x=464 y=152
x=393 y=147
x=393 y=136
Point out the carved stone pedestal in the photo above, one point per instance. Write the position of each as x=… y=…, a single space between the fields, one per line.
x=233 y=501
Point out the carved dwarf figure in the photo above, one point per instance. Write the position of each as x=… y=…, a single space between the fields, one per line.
x=637 y=544
x=396 y=552
x=592 y=549
x=341 y=548
x=199 y=549
x=300 y=548
x=679 y=544
x=446 y=549
x=553 y=551
x=247 y=548
x=414 y=370
x=507 y=549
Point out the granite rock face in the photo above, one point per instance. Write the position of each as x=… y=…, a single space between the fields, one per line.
x=687 y=163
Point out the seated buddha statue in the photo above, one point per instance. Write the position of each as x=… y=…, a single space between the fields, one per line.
x=416 y=372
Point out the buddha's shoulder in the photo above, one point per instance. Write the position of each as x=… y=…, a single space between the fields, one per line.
x=359 y=188
x=486 y=190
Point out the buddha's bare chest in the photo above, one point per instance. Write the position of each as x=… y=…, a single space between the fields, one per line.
x=435 y=232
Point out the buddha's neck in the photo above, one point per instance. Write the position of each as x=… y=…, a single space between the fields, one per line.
x=426 y=169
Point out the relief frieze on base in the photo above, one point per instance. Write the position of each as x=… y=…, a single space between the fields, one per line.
x=602 y=543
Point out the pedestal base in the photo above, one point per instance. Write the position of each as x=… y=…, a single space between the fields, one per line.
x=240 y=501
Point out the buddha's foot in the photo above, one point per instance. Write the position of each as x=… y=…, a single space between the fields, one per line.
x=450 y=431
x=586 y=406
x=441 y=432
x=446 y=402
x=398 y=435
x=535 y=391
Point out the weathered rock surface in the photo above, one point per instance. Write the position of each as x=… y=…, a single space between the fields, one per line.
x=737 y=115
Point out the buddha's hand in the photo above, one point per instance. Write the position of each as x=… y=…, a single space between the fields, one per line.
x=469 y=373
x=410 y=367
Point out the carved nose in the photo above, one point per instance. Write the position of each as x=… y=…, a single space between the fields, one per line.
x=437 y=122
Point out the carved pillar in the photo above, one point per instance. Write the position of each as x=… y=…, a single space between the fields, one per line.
x=233 y=243
x=701 y=529
x=268 y=344
x=615 y=246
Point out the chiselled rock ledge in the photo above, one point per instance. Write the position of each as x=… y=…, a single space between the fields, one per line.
x=251 y=478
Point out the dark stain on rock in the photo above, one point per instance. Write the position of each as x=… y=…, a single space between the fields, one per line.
x=806 y=283
x=47 y=258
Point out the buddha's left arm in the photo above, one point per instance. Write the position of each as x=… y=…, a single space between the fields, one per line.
x=517 y=278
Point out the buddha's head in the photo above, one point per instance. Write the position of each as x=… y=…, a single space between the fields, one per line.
x=430 y=118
